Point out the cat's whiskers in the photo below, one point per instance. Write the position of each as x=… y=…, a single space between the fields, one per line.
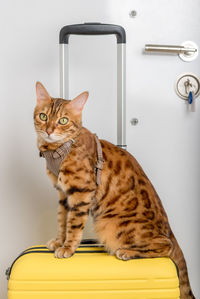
x=41 y=131
x=58 y=138
x=54 y=138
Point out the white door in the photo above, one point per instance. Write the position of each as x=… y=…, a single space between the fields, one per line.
x=165 y=140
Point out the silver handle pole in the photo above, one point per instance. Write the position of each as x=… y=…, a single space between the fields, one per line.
x=121 y=87
x=64 y=71
x=169 y=49
x=121 y=95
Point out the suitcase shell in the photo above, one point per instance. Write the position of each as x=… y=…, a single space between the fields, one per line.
x=90 y=273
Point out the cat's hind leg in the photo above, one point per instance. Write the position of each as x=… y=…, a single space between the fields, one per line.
x=159 y=246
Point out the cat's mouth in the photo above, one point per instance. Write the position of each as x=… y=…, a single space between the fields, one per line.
x=52 y=137
x=49 y=139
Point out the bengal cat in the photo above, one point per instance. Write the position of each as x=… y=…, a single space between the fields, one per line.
x=129 y=218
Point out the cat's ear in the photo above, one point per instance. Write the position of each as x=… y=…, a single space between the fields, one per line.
x=41 y=93
x=78 y=103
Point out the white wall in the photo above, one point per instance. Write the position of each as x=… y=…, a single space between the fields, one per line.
x=165 y=141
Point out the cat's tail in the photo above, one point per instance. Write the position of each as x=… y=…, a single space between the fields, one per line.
x=178 y=257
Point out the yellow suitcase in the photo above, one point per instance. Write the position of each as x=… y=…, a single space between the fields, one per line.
x=90 y=274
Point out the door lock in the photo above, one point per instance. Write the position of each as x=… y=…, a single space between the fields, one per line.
x=187 y=88
x=187 y=83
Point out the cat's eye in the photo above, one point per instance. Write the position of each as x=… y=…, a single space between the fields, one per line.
x=63 y=120
x=43 y=116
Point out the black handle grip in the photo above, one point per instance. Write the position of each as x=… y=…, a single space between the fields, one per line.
x=92 y=29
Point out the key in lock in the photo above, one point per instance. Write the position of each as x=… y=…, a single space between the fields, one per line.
x=187 y=83
x=188 y=86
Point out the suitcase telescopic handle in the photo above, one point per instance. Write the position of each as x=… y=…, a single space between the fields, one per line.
x=98 y=29
x=92 y=29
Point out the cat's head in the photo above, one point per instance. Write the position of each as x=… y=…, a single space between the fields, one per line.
x=57 y=120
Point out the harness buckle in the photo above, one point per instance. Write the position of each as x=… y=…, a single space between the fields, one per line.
x=99 y=164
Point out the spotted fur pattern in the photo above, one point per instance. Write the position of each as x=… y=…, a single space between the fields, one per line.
x=129 y=218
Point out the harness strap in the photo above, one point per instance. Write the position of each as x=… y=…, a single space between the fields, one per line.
x=55 y=158
x=63 y=150
x=100 y=160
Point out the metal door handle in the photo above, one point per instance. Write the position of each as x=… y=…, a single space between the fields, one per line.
x=169 y=49
x=187 y=51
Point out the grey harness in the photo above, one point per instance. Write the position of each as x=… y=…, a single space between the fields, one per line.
x=55 y=158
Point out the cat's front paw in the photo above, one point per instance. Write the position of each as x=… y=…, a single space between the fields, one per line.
x=64 y=252
x=124 y=254
x=54 y=244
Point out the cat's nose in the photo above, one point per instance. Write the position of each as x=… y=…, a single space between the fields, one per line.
x=49 y=131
